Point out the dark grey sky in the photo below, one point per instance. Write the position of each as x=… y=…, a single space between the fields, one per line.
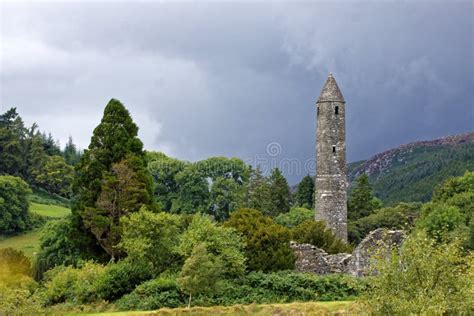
x=228 y=79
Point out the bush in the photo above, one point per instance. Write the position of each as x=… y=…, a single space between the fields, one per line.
x=294 y=217
x=72 y=285
x=441 y=221
x=424 y=277
x=19 y=299
x=152 y=295
x=317 y=234
x=14 y=216
x=256 y=287
x=121 y=278
x=151 y=238
x=400 y=216
x=267 y=243
x=222 y=242
x=62 y=244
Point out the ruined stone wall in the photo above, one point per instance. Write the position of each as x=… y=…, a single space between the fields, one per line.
x=379 y=242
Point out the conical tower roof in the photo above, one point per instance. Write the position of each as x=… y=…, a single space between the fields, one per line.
x=331 y=92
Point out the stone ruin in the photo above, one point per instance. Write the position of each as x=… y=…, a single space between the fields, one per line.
x=315 y=260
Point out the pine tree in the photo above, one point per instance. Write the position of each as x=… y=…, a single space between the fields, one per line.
x=305 y=192
x=280 y=194
x=111 y=178
x=362 y=202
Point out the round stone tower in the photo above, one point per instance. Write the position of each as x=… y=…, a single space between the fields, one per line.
x=331 y=179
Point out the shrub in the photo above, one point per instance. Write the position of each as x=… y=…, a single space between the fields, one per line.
x=294 y=217
x=441 y=221
x=267 y=243
x=256 y=287
x=151 y=238
x=72 y=285
x=222 y=242
x=19 y=299
x=63 y=244
x=400 y=216
x=121 y=278
x=425 y=277
x=284 y=287
x=317 y=234
x=14 y=216
x=153 y=294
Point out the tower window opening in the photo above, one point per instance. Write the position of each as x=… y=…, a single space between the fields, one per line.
x=336 y=110
x=317 y=110
x=333 y=149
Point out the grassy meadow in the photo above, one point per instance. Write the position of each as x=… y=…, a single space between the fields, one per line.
x=29 y=242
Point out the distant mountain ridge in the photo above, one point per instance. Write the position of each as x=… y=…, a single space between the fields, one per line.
x=410 y=172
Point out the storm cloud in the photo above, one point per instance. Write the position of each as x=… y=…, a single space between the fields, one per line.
x=229 y=79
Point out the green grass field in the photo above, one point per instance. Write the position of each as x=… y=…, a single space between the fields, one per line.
x=309 y=308
x=29 y=242
x=49 y=210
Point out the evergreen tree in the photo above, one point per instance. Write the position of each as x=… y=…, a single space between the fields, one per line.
x=280 y=194
x=362 y=202
x=305 y=192
x=111 y=178
x=257 y=194
x=71 y=153
x=12 y=131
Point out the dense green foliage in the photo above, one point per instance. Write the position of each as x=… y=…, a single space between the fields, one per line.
x=294 y=217
x=317 y=234
x=14 y=215
x=26 y=153
x=305 y=192
x=112 y=180
x=280 y=194
x=222 y=242
x=55 y=176
x=63 y=244
x=267 y=244
x=362 y=202
x=423 y=278
x=412 y=175
x=200 y=273
x=151 y=238
x=256 y=287
x=400 y=216
x=214 y=186
x=257 y=191
x=153 y=295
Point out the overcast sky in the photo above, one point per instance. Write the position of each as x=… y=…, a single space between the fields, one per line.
x=227 y=79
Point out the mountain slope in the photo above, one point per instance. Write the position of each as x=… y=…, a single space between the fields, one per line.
x=410 y=172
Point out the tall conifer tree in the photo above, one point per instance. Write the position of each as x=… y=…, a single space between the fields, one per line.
x=111 y=178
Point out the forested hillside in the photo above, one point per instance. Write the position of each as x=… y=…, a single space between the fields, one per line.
x=409 y=173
